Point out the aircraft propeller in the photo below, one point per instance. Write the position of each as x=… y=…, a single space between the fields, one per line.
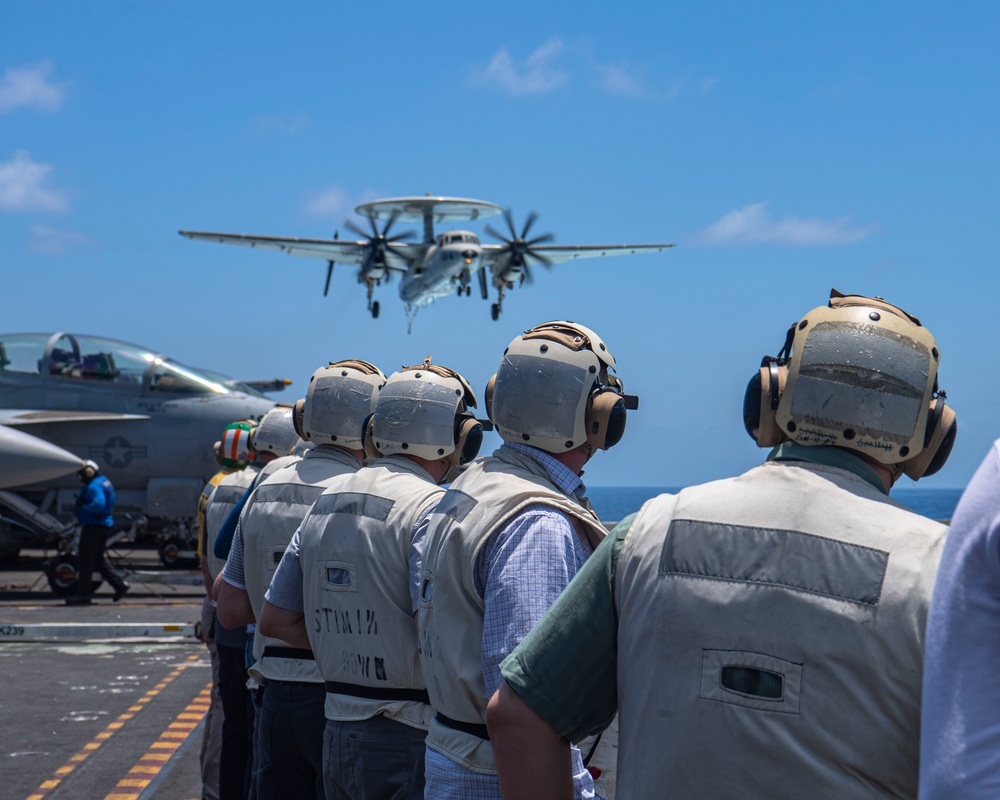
x=379 y=243
x=521 y=248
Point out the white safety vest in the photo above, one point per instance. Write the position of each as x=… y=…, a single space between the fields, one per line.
x=771 y=636
x=450 y=618
x=270 y=518
x=223 y=500
x=354 y=551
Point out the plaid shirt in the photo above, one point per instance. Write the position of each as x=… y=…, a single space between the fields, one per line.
x=520 y=571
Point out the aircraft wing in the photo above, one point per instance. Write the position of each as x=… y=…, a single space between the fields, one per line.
x=16 y=417
x=340 y=250
x=561 y=253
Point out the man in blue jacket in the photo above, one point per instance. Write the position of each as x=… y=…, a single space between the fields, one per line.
x=93 y=510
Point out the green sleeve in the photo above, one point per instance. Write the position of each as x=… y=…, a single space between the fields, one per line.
x=566 y=667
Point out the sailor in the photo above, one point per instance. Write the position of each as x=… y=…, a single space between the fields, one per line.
x=765 y=633
x=354 y=567
x=211 y=737
x=94 y=505
x=508 y=537
x=289 y=754
x=235 y=758
x=960 y=725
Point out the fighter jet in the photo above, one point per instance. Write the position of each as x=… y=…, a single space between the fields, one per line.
x=148 y=421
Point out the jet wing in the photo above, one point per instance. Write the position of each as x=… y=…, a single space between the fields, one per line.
x=561 y=253
x=16 y=417
x=341 y=251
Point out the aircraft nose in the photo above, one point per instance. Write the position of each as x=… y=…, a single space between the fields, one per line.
x=26 y=459
x=469 y=255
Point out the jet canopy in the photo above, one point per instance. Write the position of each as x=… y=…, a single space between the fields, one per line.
x=97 y=361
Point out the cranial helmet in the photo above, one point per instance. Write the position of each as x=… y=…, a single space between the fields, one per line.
x=858 y=373
x=424 y=411
x=88 y=471
x=237 y=450
x=553 y=390
x=275 y=434
x=340 y=399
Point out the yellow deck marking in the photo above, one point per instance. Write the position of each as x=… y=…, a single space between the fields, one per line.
x=151 y=761
x=101 y=738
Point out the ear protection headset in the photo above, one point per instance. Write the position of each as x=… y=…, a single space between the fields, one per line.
x=767 y=412
x=605 y=405
x=760 y=402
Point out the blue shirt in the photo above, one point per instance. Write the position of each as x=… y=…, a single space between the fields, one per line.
x=521 y=570
x=95 y=502
x=960 y=725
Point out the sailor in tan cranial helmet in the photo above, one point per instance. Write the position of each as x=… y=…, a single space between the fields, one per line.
x=356 y=557
x=331 y=417
x=507 y=538
x=760 y=636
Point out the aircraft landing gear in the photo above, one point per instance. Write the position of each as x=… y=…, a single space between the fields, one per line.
x=62 y=574
x=497 y=308
x=373 y=306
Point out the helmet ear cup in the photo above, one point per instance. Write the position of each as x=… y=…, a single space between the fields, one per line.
x=368 y=437
x=468 y=439
x=760 y=404
x=605 y=419
x=939 y=439
x=298 y=418
x=490 y=386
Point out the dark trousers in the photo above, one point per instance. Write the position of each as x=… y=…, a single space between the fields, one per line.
x=290 y=741
x=91 y=556
x=236 y=759
x=373 y=759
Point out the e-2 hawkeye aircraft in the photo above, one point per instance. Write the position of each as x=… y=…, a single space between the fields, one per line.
x=148 y=421
x=442 y=263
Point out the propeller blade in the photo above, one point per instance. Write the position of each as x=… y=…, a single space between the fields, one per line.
x=526 y=273
x=483 y=287
x=510 y=223
x=542 y=259
x=496 y=235
x=545 y=237
x=329 y=274
x=356 y=230
x=528 y=223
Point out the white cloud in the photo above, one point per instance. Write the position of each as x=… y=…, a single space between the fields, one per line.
x=29 y=87
x=618 y=79
x=537 y=74
x=752 y=224
x=289 y=125
x=329 y=202
x=24 y=186
x=56 y=242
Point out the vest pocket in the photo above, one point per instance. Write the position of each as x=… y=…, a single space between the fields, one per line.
x=752 y=680
x=338 y=576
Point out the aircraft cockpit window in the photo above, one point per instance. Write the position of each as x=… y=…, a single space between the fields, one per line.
x=23 y=352
x=169 y=376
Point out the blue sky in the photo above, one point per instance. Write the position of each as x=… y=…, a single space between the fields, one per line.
x=786 y=147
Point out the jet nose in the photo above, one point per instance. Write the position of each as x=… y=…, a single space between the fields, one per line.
x=26 y=459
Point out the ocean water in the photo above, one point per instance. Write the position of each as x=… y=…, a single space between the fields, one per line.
x=614 y=502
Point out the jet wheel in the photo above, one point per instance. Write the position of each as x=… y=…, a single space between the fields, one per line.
x=170 y=554
x=495 y=312
x=375 y=310
x=62 y=574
